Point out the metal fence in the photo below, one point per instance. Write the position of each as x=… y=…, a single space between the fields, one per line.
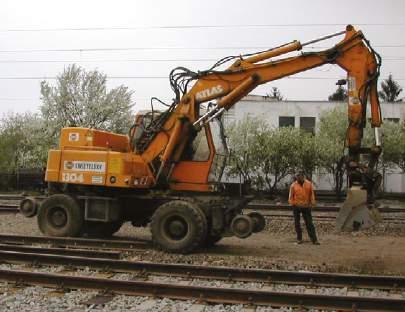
x=22 y=180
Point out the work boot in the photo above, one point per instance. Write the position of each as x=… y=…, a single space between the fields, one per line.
x=316 y=242
x=298 y=242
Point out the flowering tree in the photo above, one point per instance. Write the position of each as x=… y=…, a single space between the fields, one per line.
x=265 y=156
x=22 y=142
x=242 y=136
x=394 y=145
x=81 y=99
x=330 y=143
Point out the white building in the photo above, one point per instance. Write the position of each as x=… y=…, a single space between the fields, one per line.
x=306 y=114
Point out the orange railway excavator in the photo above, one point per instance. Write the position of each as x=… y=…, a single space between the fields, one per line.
x=167 y=171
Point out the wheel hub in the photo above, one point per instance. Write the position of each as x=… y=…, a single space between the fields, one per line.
x=58 y=217
x=176 y=228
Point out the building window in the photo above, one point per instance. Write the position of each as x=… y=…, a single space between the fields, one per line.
x=396 y=120
x=308 y=124
x=286 y=121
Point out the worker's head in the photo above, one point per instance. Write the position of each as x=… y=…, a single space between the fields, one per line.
x=300 y=177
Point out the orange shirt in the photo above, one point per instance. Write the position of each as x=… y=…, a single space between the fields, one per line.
x=302 y=195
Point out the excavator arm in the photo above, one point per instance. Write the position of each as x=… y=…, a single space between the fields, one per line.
x=180 y=123
x=227 y=87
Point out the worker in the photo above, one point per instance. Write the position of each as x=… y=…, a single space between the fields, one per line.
x=302 y=199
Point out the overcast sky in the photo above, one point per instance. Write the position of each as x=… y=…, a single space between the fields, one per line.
x=141 y=41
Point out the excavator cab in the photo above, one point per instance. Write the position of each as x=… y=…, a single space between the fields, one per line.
x=203 y=160
x=204 y=156
x=139 y=129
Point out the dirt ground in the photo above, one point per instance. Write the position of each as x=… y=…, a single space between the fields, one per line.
x=346 y=253
x=379 y=251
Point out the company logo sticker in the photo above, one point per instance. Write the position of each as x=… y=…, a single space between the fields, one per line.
x=200 y=96
x=89 y=166
x=74 y=136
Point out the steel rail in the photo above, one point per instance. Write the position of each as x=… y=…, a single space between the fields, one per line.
x=9 y=209
x=286 y=207
x=11 y=197
x=213 y=272
x=204 y=294
x=74 y=242
x=62 y=251
x=8 y=206
x=251 y=205
x=394 y=220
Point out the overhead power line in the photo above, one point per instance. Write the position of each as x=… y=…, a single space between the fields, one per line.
x=157 y=77
x=38 y=99
x=19 y=99
x=169 y=48
x=185 y=27
x=139 y=60
x=107 y=61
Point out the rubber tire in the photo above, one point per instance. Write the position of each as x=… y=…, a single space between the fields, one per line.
x=70 y=206
x=191 y=214
x=100 y=229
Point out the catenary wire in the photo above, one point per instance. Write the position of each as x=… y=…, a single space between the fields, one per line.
x=157 y=77
x=185 y=27
x=139 y=60
x=168 y=48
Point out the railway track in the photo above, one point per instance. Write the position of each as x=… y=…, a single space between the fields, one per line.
x=123 y=245
x=13 y=208
x=204 y=294
x=39 y=256
x=313 y=279
x=208 y=294
x=332 y=207
x=62 y=251
x=11 y=197
x=325 y=208
x=394 y=220
x=8 y=208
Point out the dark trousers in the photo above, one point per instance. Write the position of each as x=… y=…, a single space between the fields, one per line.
x=307 y=216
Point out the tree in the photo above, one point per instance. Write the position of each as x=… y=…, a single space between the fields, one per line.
x=309 y=158
x=275 y=94
x=394 y=145
x=242 y=137
x=330 y=143
x=339 y=95
x=277 y=154
x=81 y=99
x=22 y=142
x=265 y=156
x=390 y=90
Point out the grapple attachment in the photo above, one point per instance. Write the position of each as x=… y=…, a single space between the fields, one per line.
x=356 y=214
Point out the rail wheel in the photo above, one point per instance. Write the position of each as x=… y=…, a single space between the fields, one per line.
x=60 y=215
x=178 y=227
x=101 y=229
x=258 y=220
